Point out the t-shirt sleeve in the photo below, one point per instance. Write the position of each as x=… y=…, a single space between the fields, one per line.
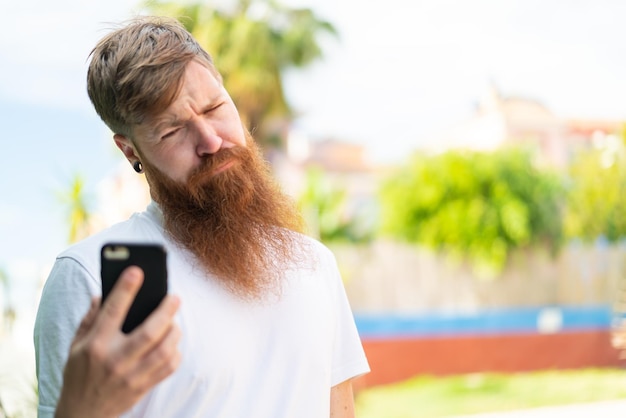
x=349 y=360
x=65 y=299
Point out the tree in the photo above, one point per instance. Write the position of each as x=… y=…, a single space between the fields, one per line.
x=597 y=192
x=4 y=281
x=78 y=214
x=480 y=206
x=253 y=43
x=324 y=205
x=8 y=310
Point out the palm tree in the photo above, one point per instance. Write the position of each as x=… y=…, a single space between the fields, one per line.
x=253 y=44
x=8 y=310
x=4 y=281
x=78 y=214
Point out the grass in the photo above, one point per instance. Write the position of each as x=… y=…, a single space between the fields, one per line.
x=431 y=397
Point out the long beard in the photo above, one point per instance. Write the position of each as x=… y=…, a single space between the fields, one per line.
x=237 y=222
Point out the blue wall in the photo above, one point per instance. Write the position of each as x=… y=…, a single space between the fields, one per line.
x=548 y=319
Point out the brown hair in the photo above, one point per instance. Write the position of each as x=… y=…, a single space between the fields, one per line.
x=136 y=71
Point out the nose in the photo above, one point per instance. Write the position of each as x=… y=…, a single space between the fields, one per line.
x=207 y=139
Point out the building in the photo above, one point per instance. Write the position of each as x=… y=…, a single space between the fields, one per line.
x=502 y=121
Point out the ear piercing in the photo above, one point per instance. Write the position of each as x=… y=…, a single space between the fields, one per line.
x=138 y=167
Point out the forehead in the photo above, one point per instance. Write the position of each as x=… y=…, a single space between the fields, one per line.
x=199 y=86
x=200 y=90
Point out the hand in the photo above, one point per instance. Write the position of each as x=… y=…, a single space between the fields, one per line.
x=107 y=371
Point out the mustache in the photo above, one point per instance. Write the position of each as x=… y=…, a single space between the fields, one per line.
x=206 y=170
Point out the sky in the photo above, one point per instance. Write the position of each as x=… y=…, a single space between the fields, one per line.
x=399 y=72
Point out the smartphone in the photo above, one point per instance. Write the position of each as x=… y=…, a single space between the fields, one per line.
x=151 y=258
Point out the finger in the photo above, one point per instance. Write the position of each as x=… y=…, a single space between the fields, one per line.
x=164 y=357
x=140 y=387
x=166 y=369
x=88 y=319
x=120 y=299
x=153 y=329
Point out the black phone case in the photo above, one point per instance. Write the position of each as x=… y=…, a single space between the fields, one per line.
x=151 y=258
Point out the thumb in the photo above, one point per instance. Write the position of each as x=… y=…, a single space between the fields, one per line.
x=117 y=304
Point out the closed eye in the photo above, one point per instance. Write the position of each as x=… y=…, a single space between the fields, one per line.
x=170 y=133
x=212 y=108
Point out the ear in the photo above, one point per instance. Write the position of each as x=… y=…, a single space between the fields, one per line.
x=127 y=147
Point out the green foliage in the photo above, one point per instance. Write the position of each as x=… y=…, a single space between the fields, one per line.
x=78 y=214
x=597 y=194
x=252 y=44
x=475 y=205
x=323 y=204
x=4 y=280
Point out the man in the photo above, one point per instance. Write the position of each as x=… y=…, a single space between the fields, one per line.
x=260 y=325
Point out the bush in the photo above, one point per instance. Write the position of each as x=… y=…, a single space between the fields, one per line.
x=596 y=200
x=480 y=206
x=324 y=205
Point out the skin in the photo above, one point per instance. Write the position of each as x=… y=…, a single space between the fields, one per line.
x=342 y=400
x=201 y=121
x=107 y=371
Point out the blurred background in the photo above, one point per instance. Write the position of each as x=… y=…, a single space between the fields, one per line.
x=465 y=160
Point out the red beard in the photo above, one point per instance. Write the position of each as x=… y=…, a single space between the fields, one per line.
x=237 y=222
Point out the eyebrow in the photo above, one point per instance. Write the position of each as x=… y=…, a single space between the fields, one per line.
x=164 y=122
x=169 y=120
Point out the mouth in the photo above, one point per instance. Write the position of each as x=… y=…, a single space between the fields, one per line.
x=224 y=167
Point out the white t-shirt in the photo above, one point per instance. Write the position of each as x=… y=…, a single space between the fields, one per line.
x=239 y=359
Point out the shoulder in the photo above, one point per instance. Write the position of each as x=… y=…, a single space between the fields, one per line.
x=140 y=228
x=316 y=260
x=315 y=248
